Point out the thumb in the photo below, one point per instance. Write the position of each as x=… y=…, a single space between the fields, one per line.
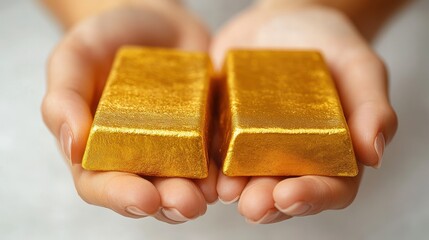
x=66 y=106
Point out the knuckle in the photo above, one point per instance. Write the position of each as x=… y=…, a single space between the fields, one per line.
x=349 y=197
x=47 y=108
x=364 y=58
x=52 y=57
x=367 y=58
x=82 y=192
x=391 y=122
x=391 y=116
x=84 y=185
x=394 y=121
x=83 y=196
x=333 y=196
x=99 y=192
x=376 y=60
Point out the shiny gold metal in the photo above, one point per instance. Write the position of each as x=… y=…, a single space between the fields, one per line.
x=281 y=116
x=153 y=116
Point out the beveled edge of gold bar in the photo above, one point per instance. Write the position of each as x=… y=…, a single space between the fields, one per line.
x=187 y=169
x=205 y=119
x=229 y=167
x=232 y=130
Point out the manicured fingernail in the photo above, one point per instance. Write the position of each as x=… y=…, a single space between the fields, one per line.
x=230 y=201
x=297 y=209
x=267 y=218
x=174 y=214
x=66 y=140
x=379 y=145
x=136 y=211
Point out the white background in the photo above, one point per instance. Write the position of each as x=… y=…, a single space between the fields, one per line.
x=38 y=200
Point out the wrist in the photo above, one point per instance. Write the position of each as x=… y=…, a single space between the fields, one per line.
x=71 y=12
x=367 y=16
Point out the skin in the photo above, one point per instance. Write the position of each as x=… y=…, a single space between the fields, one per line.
x=79 y=65
x=77 y=71
x=361 y=80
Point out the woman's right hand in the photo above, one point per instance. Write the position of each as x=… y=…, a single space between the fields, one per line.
x=77 y=71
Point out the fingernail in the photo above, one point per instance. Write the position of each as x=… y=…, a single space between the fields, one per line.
x=230 y=201
x=379 y=145
x=174 y=214
x=267 y=218
x=136 y=211
x=297 y=209
x=66 y=140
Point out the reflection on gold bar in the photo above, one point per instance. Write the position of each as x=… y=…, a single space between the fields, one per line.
x=281 y=116
x=152 y=118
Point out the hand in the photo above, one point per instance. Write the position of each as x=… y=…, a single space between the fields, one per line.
x=362 y=84
x=77 y=71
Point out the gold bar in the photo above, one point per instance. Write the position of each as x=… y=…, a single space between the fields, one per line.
x=281 y=116
x=153 y=116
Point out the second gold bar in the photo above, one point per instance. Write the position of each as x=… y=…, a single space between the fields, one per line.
x=281 y=116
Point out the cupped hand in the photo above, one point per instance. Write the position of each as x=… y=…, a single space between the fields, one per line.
x=361 y=80
x=77 y=71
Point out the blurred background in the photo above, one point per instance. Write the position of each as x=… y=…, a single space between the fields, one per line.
x=38 y=200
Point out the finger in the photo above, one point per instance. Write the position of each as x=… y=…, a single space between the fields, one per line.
x=79 y=66
x=256 y=202
x=362 y=84
x=181 y=199
x=208 y=185
x=66 y=106
x=231 y=36
x=218 y=50
x=229 y=188
x=126 y=194
x=309 y=195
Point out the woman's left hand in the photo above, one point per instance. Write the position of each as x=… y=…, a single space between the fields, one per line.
x=361 y=80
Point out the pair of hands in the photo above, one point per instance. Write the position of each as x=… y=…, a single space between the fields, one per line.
x=80 y=64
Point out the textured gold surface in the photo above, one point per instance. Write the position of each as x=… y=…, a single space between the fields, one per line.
x=281 y=116
x=153 y=116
